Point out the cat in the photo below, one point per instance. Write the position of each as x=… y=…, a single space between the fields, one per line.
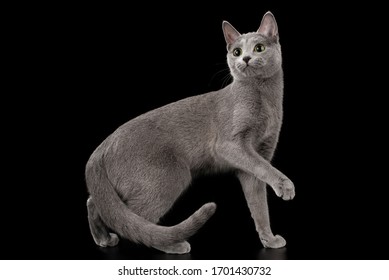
x=138 y=172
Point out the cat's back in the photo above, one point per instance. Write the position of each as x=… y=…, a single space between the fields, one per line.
x=181 y=117
x=183 y=128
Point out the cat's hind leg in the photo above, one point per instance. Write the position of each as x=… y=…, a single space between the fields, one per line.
x=99 y=230
x=256 y=197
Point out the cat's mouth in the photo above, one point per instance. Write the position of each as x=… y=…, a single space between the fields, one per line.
x=243 y=67
x=247 y=69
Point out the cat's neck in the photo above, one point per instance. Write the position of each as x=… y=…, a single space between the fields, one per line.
x=270 y=88
x=259 y=84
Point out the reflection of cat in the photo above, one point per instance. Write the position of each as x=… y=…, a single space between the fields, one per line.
x=139 y=171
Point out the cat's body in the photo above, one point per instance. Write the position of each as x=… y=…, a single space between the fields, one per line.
x=135 y=176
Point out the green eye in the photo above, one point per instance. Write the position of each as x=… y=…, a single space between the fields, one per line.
x=237 y=52
x=259 y=48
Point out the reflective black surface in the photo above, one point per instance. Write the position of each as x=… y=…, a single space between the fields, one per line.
x=58 y=229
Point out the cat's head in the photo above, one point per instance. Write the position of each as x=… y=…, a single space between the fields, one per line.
x=256 y=54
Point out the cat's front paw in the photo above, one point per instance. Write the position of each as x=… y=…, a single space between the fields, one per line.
x=176 y=248
x=273 y=242
x=112 y=241
x=285 y=189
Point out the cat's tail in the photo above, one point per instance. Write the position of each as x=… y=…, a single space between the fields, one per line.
x=117 y=216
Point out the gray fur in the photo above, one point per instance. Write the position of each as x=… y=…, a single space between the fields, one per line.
x=135 y=176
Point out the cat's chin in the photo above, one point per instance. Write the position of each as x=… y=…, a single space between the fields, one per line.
x=241 y=76
x=250 y=72
x=246 y=72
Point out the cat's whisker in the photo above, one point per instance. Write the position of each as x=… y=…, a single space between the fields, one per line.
x=226 y=79
x=219 y=72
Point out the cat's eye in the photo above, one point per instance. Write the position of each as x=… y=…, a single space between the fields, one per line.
x=259 y=48
x=237 y=52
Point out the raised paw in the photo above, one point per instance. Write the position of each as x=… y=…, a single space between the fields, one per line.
x=285 y=189
x=273 y=242
x=111 y=242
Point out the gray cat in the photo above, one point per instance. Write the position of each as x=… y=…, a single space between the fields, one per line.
x=138 y=172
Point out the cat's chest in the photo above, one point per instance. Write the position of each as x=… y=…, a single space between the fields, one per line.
x=260 y=117
x=270 y=115
x=268 y=123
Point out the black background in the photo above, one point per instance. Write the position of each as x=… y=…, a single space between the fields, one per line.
x=78 y=72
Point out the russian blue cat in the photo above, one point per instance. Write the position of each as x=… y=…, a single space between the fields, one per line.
x=138 y=172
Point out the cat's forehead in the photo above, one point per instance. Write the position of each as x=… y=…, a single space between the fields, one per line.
x=250 y=38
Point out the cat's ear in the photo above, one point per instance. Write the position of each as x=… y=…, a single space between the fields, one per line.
x=268 y=26
x=230 y=33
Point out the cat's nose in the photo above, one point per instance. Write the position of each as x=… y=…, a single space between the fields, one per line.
x=246 y=59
